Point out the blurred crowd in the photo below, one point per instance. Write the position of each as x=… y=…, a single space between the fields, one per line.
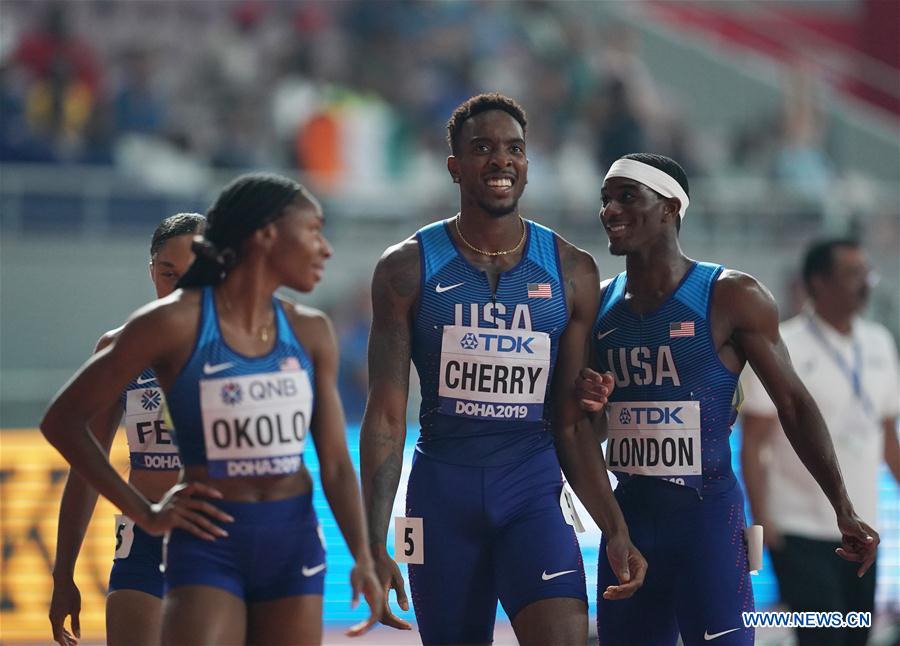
x=355 y=93
x=352 y=91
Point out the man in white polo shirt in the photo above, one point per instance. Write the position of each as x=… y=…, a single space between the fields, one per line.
x=849 y=366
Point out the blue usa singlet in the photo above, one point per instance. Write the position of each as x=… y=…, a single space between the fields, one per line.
x=669 y=419
x=242 y=416
x=671 y=411
x=485 y=359
x=150 y=442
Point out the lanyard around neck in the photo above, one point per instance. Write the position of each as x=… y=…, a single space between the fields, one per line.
x=854 y=372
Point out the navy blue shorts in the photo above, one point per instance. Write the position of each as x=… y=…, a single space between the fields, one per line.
x=489 y=533
x=138 y=558
x=274 y=549
x=697 y=579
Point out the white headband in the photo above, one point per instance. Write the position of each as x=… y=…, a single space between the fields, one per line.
x=650 y=176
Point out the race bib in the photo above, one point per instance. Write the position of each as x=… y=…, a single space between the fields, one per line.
x=255 y=425
x=660 y=439
x=409 y=541
x=124 y=536
x=150 y=439
x=493 y=374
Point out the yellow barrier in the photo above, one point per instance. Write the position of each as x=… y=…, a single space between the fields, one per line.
x=32 y=477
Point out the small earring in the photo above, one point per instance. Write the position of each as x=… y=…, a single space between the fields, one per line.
x=456 y=180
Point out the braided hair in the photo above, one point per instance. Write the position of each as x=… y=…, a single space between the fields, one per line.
x=248 y=203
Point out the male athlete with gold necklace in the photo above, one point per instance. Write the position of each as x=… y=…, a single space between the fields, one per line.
x=495 y=312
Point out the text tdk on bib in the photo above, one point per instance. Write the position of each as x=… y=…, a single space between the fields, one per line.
x=655 y=439
x=255 y=425
x=493 y=374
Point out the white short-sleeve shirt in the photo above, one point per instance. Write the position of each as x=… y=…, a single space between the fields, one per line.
x=796 y=504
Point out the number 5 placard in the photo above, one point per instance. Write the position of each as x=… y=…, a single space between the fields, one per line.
x=409 y=540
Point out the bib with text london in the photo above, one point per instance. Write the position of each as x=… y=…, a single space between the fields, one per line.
x=493 y=374
x=149 y=438
x=660 y=439
x=255 y=425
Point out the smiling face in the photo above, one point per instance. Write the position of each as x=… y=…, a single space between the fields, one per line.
x=300 y=249
x=490 y=163
x=634 y=215
x=170 y=262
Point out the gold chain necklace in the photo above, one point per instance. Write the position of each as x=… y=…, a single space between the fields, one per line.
x=263 y=331
x=491 y=253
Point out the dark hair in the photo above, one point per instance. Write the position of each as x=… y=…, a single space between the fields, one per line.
x=478 y=104
x=667 y=165
x=248 y=203
x=176 y=225
x=819 y=258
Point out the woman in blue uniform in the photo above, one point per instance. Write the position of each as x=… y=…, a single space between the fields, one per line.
x=247 y=376
x=135 y=582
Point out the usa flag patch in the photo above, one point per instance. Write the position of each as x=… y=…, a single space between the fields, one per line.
x=684 y=328
x=539 y=290
x=289 y=363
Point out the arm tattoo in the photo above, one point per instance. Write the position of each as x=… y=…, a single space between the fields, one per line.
x=390 y=342
x=385 y=482
x=385 y=363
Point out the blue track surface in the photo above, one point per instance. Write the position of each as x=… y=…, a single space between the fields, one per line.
x=337 y=588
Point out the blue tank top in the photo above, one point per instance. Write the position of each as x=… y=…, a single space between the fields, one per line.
x=671 y=411
x=485 y=360
x=150 y=442
x=242 y=416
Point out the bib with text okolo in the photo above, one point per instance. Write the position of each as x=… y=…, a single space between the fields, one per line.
x=255 y=425
x=493 y=373
x=150 y=440
x=660 y=439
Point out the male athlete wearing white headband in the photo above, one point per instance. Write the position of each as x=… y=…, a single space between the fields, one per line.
x=672 y=335
x=652 y=177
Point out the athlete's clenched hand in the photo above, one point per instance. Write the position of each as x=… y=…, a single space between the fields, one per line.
x=628 y=564
x=859 y=542
x=182 y=508
x=592 y=389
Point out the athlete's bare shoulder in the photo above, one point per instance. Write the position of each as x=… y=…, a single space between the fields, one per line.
x=579 y=270
x=575 y=259
x=742 y=300
x=398 y=272
x=162 y=333
x=174 y=317
x=733 y=285
x=312 y=326
x=108 y=338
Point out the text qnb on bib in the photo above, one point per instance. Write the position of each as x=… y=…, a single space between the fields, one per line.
x=256 y=425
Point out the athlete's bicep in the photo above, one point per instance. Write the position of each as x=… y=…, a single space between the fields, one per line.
x=574 y=345
x=755 y=322
x=327 y=424
x=97 y=385
x=104 y=424
x=394 y=286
